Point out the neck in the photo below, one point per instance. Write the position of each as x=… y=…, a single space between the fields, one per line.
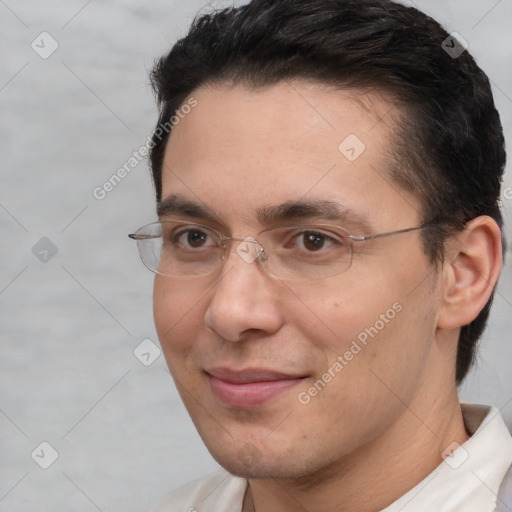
x=376 y=474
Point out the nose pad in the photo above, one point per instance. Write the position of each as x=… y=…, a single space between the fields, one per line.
x=262 y=255
x=259 y=251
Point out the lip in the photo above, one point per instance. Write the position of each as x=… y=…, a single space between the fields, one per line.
x=249 y=387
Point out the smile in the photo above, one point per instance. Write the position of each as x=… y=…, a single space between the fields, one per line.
x=249 y=388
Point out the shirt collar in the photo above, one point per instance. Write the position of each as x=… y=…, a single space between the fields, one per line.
x=469 y=478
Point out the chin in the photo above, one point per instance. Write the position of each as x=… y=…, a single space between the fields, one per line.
x=249 y=462
x=260 y=471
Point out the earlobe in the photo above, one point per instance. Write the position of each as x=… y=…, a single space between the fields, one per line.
x=470 y=271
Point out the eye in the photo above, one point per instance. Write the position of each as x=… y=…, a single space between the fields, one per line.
x=314 y=241
x=192 y=238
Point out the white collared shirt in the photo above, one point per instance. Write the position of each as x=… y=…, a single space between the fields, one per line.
x=467 y=481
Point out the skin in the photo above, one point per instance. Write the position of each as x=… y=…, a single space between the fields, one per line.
x=386 y=418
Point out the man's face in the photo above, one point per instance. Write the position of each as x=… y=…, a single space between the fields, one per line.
x=241 y=150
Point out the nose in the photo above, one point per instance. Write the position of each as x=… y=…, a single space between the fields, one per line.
x=245 y=300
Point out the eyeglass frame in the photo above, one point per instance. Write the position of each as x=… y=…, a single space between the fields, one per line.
x=224 y=239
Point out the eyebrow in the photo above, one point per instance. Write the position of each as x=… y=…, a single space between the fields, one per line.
x=274 y=215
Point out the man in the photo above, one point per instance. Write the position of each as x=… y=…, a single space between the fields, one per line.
x=326 y=253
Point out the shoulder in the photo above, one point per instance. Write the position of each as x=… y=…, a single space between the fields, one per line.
x=221 y=490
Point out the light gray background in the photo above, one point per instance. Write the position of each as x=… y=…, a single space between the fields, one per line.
x=69 y=326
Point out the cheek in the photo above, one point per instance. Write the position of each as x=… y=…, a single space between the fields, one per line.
x=177 y=314
x=374 y=316
x=333 y=313
x=164 y=310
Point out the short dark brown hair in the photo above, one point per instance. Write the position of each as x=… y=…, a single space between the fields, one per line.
x=449 y=147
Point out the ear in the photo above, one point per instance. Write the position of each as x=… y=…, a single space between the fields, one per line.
x=473 y=260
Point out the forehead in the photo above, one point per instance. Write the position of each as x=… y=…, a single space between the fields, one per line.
x=242 y=148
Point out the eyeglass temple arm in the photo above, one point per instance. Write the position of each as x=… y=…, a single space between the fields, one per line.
x=135 y=236
x=389 y=233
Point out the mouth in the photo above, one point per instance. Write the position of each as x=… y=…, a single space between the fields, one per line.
x=249 y=387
